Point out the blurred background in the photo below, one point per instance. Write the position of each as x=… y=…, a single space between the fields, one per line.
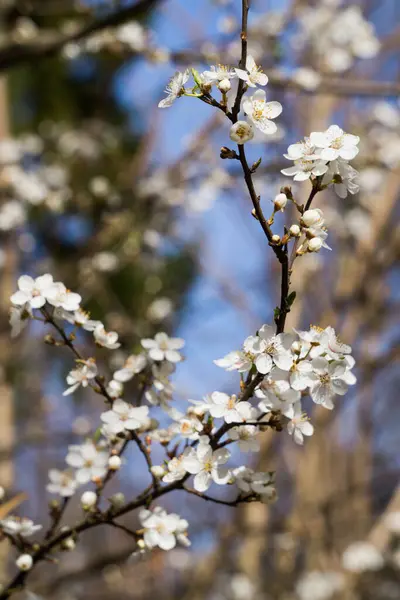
x=130 y=206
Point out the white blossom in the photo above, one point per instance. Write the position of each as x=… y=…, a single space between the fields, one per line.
x=304 y=169
x=162 y=529
x=299 y=425
x=261 y=112
x=206 y=465
x=80 y=318
x=175 y=88
x=22 y=527
x=32 y=292
x=218 y=73
x=133 y=365
x=327 y=381
x=18 y=318
x=62 y=483
x=89 y=461
x=107 y=339
x=24 y=562
x=162 y=347
x=241 y=132
x=176 y=470
x=81 y=376
x=60 y=297
x=249 y=481
x=335 y=143
x=124 y=416
x=253 y=75
x=235 y=361
x=88 y=500
x=246 y=436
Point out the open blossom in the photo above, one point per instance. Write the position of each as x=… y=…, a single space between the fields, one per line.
x=81 y=376
x=60 y=297
x=299 y=425
x=175 y=88
x=134 y=364
x=88 y=460
x=241 y=132
x=223 y=406
x=249 y=481
x=17 y=526
x=206 y=465
x=272 y=349
x=235 y=361
x=345 y=178
x=80 y=318
x=246 y=436
x=107 y=339
x=253 y=75
x=261 y=112
x=176 y=470
x=327 y=381
x=218 y=73
x=303 y=169
x=188 y=427
x=18 y=318
x=62 y=483
x=124 y=416
x=164 y=348
x=334 y=143
x=162 y=529
x=302 y=150
x=32 y=292
x=276 y=395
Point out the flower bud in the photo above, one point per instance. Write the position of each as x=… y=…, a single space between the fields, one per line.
x=117 y=500
x=315 y=244
x=114 y=463
x=241 y=132
x=276 y=238
x=312 y=217
x=294 y=230
x=88 y=500
x=280 y=201
x=24 y=562
x=68 y=544
x=224 y=86
x=158 y=471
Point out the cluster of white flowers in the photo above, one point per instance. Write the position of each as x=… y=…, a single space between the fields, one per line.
x=162 y=529
x=339 y=37
x=326 y=154
x=312 y=362
x=259 y=112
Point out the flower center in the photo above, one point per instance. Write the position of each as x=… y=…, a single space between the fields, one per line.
x=324 y=378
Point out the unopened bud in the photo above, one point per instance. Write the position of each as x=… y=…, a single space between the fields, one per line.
x=294 y=230
x=276 y=238
x=158 y=471
x=224 y=86
x=88 y=500
x=227 y=153
x=315 y=244
x=68 y=544
x=280 y=201
x=114 y=463
x=117 y=500
x=312 y=217
x=24 y=562
x=48 y=339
